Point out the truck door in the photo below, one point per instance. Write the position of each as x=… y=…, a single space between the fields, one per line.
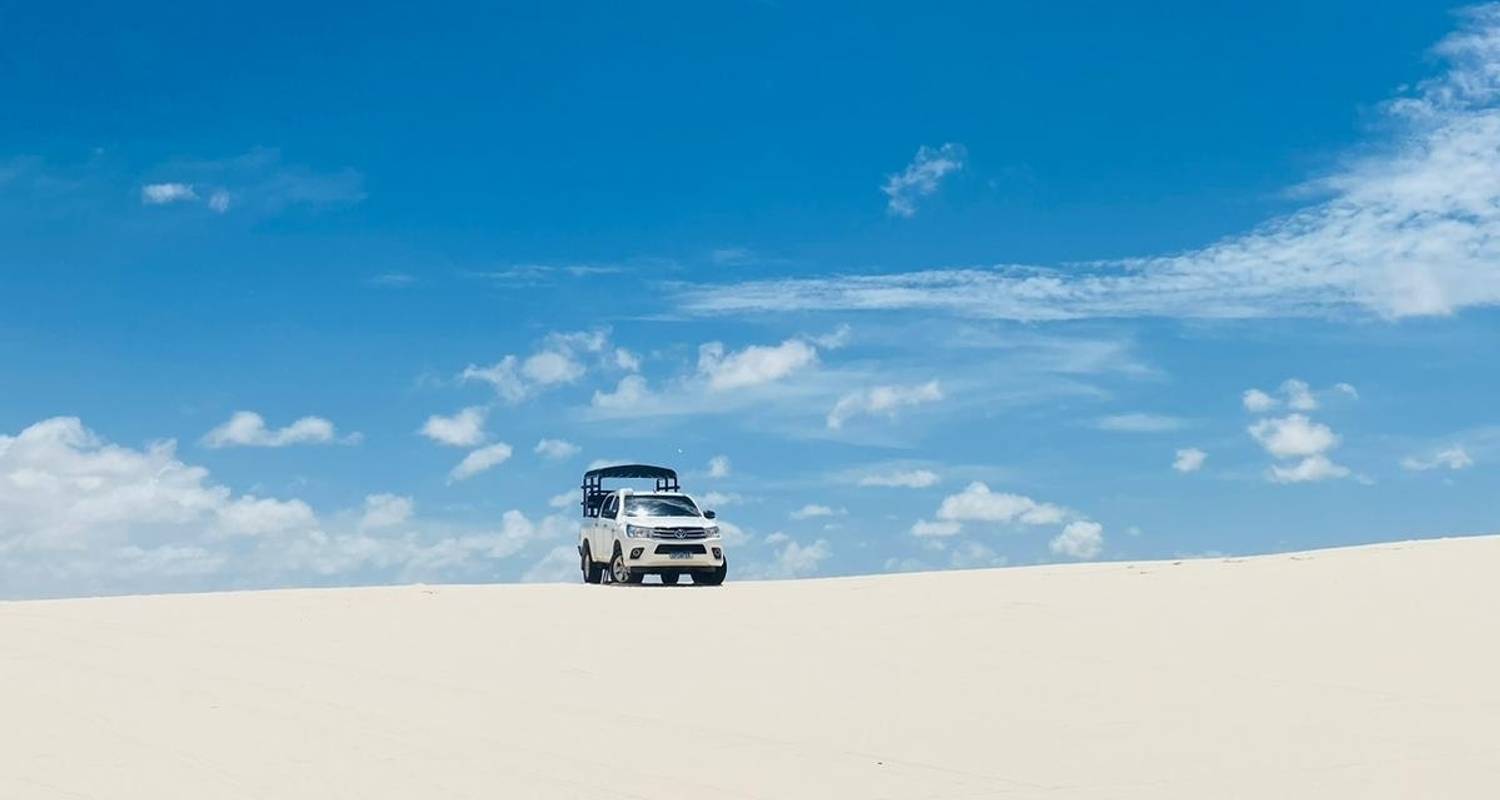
x=605 y=547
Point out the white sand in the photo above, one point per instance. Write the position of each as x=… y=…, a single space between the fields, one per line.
x=1359 y=673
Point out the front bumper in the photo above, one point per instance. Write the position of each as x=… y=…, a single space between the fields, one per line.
x=660 y=554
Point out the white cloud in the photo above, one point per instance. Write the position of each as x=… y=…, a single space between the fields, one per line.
x=159 y=194
x=978 y=504
x=464 y=429
x=1189 y=460
x=793 y=560
x=1311 y=468
x=79 y=515
x=1293 y=435
x=219 y=201
x=1295 y=394
x=552 y=367
x=924 y=527
x=837 y=338
x=1258 y=402
x=567 y=499
x=626 y=360
x=718 y=467
x=884 y=400
x=1409 y=228
x=753 y=366
x=479 y=460
x=1139 y=423
x=631 y=395
x=1299 y=396
x=556 y=449
x=921 y=177
x=814 y=510
x=385 y=511
x=1297 y=437
x=1453 y=458
x=1080 y=539
x=557 y=362
x=248 y=429
x=906 y=479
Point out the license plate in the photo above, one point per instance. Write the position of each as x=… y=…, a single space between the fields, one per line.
x=680 y=555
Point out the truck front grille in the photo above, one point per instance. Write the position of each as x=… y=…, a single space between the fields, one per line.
x=668 y=549
x=680 y=533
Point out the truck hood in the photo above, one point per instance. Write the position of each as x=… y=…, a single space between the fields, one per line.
x=669 y=522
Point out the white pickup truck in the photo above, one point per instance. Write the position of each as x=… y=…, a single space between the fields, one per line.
x=627 y=535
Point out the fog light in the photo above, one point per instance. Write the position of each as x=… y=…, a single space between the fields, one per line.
x=718 y=553
x=635 y=552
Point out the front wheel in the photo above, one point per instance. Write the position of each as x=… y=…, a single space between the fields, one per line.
x=620 y=572
x=713 y=577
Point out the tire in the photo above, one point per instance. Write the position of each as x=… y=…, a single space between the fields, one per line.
x=713 y=577
x=592 y=573
x=670 y=578
x=620 y=571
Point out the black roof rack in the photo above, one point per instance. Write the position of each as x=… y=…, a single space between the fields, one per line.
x=593 y=482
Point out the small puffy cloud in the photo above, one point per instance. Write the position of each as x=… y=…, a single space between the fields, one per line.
x=464 y=429
x=385 y=511
x=977 y=503
x=160 y=194
x=248 y=429
x=1080 y=539
x=552 y=367
x=219 y=201
x=970 y=554
x=1293 y=435
x=1139 y=423
x=1257 y=402
x=1302 y=445
x=921 y=177
x=479 y=460
x=753 y=366
x=1295 y=394
x=905 y=479
x=941 y=528
x=626 y=360
x=718 y=467
x=260 y=516
x=882 y=400
x=1189 y=459
x=631 y=395
x=558 y=361
x=814 y=510
x=1453 y=458
x=1311 y=468
x=556 y=449
x=565 y=500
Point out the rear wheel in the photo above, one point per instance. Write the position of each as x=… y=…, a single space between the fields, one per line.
x=713 y=577
x=670 y=578
x=592 y=573
x=620 y=572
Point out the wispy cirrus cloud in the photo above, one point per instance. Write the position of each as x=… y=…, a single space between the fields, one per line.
x=921 y=177
x=1410 y=230
x=249 y=429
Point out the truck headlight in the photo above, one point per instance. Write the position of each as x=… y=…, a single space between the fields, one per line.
x=713 y=531
x=638 y=531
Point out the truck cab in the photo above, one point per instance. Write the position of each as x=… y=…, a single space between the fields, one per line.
x=627 y=534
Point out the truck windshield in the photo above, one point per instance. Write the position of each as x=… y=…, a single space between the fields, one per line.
x=658 y=506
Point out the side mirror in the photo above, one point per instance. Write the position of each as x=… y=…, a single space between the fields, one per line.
x=709 y=514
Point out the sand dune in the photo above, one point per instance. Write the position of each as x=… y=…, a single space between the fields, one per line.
x=1365 y=672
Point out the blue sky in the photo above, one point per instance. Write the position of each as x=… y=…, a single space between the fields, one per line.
x=320 y=296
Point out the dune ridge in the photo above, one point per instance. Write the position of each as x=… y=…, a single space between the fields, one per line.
x=1360 y=672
